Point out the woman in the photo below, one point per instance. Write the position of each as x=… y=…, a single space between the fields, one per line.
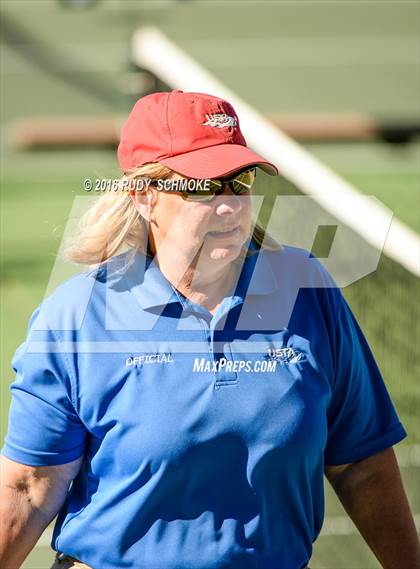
x=195 y=387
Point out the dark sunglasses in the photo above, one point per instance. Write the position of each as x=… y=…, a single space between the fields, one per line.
x=239 y=184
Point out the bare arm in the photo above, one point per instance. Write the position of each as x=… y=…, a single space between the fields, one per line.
x=372 y=493
x=30 y=498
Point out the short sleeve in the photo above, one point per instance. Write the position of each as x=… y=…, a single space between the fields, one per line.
x=44 y=428
x=362 y=419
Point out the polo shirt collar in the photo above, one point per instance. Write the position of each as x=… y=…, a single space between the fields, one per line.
x=148 y=284
x=152 y=289
x=257 y=275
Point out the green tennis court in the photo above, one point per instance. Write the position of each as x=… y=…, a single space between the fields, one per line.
x=279 y=56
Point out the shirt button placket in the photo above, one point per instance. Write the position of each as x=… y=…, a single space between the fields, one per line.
x=209 y=338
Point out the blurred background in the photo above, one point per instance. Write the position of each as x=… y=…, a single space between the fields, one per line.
x=342 y=78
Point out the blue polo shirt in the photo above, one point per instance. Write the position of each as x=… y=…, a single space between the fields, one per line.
x=204 y=436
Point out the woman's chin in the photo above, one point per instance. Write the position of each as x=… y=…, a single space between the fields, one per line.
x=225 y=253
x=224 y=249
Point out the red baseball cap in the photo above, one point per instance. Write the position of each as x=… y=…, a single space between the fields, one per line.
x=194 y=134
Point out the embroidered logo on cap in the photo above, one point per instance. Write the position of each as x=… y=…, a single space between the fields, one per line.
x=220 y=120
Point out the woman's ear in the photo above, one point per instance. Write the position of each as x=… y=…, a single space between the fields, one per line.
x=143 y=203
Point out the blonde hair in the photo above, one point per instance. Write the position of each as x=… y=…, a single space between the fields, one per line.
x=113 y=224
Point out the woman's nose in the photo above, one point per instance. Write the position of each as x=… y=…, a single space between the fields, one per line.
x=228 y=202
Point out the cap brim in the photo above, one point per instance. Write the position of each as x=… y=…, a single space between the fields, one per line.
x=217 y=161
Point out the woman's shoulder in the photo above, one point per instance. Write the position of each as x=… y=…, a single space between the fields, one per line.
x=302 y=277
x=301 y=265
x=70 y=302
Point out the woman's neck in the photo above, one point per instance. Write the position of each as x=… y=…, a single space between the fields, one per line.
x=205 y=282
x=201 y=284
x=208 y=289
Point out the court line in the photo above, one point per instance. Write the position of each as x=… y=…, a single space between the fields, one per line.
x=304 y=42
x=309 y=61
x=332 y=526
x=342 y=525
x=408 y=456
x=151 y=49
x=307 y=51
